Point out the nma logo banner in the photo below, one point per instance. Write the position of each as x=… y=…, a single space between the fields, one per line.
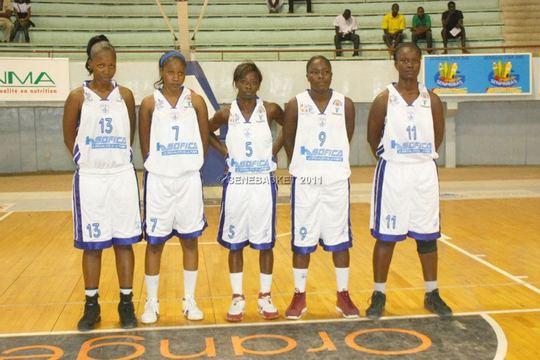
x=35 y=79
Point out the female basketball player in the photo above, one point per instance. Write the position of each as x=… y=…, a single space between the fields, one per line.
x=99 y=125
x=248 y=205
x=174 y=138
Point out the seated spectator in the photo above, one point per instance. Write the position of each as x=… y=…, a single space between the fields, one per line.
x=421 y=28
x=23 y=13
x=5 y=22
x=291 y=6
x=452 y=22
x=274 y=6
x=393 y=25
x=345 y=27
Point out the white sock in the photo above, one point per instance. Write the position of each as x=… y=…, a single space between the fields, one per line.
x=152 y=285
x=90 y=292
x=430 y=285
x=190 y=281
x=126 y=291
x=342 y=278
x=266 y=283
x=300 y=279
x=236 y=282
x=380 y=287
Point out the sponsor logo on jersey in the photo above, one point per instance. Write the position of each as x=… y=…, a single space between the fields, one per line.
x=337 y=107
x=250 y=166
x=322 y=154
x=177 y=148
x=412 y=147
x=261 y=114
x=107 y=142
x=306 y=108
x=187 y=102
x=234 y=119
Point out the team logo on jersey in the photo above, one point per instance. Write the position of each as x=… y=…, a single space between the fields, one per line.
x=306 y=109
x=234 y=119
x=187 y=102
x=261 y=112
x=174 y=115
x=322 y=121
x=394 y=99
x=424 y=99
x=104 y=108
x=338 y=107
x=160 y=104
x=88 y=97
x=410 y=115
x=247 y=133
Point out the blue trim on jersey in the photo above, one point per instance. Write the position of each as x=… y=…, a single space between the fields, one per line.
x=233 y=247
x=379 y=180
x=93 y=245
x=274 y=187
x=191 y=235
x=424 y=237
x=335 y=248
x=384 y=237
x=145 y=190
x=127 y=241
x=349 y=208
x=304 y=250
x=78 y=235
x=293 y=191
x=380 y=150
x=225 y=182
x=158 y=240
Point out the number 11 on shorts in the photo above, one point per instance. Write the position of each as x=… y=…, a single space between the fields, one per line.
x=390 y=221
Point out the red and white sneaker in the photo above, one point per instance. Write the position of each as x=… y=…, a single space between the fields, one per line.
x=298 y=306
x=236 y=310
x=345 y=306
x=267 y=310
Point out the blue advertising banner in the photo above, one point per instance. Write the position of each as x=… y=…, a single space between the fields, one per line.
x=482 y=74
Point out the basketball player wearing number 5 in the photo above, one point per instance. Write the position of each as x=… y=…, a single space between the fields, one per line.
x=318 y=127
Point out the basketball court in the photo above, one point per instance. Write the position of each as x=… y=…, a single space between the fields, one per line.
x=489 y=274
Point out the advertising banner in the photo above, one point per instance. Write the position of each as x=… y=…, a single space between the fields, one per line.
x=34 y=79
x=481 y=74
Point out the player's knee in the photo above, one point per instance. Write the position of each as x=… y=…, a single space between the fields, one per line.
x=426 y=247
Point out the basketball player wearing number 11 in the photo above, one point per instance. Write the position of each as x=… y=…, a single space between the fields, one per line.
x=318 y=126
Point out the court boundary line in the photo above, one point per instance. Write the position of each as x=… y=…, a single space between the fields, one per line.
x=6 y=215
x=275 y=323
x=444 y=239
x=502 y=341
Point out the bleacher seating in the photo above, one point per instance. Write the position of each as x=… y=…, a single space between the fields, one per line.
x=237 y=26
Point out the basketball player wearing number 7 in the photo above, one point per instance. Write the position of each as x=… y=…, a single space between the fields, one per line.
x=318 y=127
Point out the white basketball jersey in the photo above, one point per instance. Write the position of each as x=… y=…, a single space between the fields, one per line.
x=321 y=146
x=249 y=141
x=175 y=139
x=408 y=130
x=102 y=144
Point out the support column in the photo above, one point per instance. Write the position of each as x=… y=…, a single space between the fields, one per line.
x=183 y=28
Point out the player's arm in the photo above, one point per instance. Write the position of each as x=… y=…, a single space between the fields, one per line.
x=437 y=112
x=290 y=122
x=72 y=114
x=350 y=115
x=275 y=113
x=375 y=125
x=219 y=119
x=130 y=104
x=202 y=117
x=145 y=122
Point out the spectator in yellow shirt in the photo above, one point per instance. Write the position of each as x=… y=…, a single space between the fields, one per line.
x=393 y=25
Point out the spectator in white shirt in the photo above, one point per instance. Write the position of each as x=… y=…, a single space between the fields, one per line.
x=345 y=27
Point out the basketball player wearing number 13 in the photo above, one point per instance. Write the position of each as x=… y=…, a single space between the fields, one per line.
x=318 y=126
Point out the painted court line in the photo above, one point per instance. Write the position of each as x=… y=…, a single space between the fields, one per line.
x=502 y=342
x=273 y=323
x=6 y=215
x=444 y=239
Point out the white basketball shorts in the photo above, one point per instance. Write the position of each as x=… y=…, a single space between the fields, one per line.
x=405 y=201
x=320 y=213
x=106 y=209
x=248 y=212
x=173 y=206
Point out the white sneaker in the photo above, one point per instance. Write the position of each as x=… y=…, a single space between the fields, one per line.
x=266 y=308
x=151 y=311
x=236 y=310
x=191 y=310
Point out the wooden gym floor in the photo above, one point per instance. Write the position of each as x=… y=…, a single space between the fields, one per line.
x=489 y=259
